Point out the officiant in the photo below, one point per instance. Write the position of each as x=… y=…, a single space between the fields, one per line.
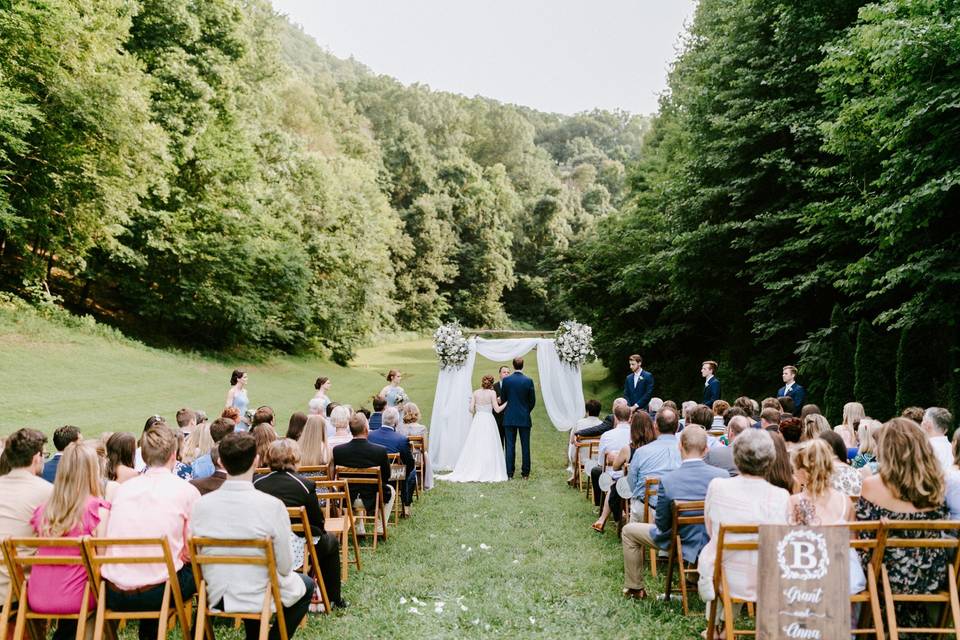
x=504 y=372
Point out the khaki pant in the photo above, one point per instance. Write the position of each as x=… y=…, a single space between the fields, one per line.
x=636 y=538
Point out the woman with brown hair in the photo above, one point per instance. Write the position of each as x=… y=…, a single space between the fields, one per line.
x=121 y=451
x=393 y=393
x=265 y=435
x=314 y=448
x=780 y=473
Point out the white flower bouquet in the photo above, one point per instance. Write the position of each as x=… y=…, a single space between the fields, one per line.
x=450 y=345
x=574 y=343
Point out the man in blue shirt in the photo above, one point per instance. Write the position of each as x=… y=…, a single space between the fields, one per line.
x=61 y=438
x=654 y=460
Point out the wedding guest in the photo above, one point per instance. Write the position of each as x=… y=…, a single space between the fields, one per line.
x=121 y=449
x=154 y=504
x=318 y=403
x=314 y=449
x=296 y=490
x=719 y=408
x=340 y=418
x=265 y=435
x=605 y=425
x=237 y=510
x=642 y=432
x=198 y=444
x=232 y=413
x=376 y=418
x=592 y=419
x=653 y=461
x=63 y=436
x=750 y=407
x=498 y=415
x=868 y=432
x=770 y=418
x=611 y=443
x=186 y=421
x=813 y=425
x=791 y=388
x=907 y=486
x=936 y=423
x=914 y=413
x=411 y=427
x=360 y=453
x=780 y=472
x=689 y=481
x=638 y=387
x=295 y=427
x=744 y=499
x=853 y=413
x=22 y=488
x=387 y=437
x=786 y=405
x=846 y=479
x=791 y=430
x=214 y=482
x=722 y=457
x=393 y=393
x=76 y=508
x=711 y=385
x=219 y=429
x=655 y=405
x=237 y=395
x=182 y=470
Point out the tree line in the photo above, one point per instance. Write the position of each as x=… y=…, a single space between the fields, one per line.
x=796 y=202
x=201 y=171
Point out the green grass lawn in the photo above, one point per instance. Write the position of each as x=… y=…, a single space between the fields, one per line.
x=546 y=574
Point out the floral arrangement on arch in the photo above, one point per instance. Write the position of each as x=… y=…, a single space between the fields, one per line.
x=574 y=343
x=450 y=345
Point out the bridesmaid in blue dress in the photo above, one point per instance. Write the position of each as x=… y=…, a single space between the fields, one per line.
x=393 y=393
x=237 y=396
x=318 y=403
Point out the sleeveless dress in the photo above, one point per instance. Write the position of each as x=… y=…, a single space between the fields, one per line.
x=241 y=402
x=392 y=394
x=481 y=459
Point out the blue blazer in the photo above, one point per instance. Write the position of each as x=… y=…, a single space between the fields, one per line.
x=376 y=419
x=393 y=442
x=517 y=391
x=711 y=392
x=798 y=393
x=640 y=394
x=50 y=468
x=687 y=482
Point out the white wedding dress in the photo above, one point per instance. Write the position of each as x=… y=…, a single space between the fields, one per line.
x=481 y=459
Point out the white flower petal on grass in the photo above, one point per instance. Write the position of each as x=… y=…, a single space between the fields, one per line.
x=516 y=562
x=477 y=621
x=533 y=620
x=414 y=610
x=484 y=545
x=486 y=627
x=403 y=600
x=463 y=546
x=463 y=607
x=469 y=549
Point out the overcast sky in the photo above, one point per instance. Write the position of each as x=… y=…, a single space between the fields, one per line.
x=554 y=55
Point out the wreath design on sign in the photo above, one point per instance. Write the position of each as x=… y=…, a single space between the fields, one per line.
x=815 y=573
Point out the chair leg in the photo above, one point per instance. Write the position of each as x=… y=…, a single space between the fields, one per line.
x=265 y=616
x=199 y=627
x=954 y=603
x=653 y=562
x=889 y=604
x=164 y=613
x=21 y=624
x=315 y=561
x=101 y=611
x=5 y=615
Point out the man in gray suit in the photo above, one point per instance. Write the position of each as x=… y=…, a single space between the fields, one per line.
x=722 y=457
x=687 y=482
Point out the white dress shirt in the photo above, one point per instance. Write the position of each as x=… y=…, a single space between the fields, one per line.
x=943 y=451
x=612 y=441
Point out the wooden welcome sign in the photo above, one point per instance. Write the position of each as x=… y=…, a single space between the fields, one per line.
x=803 y=583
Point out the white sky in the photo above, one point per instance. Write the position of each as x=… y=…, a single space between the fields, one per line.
x=553 y=55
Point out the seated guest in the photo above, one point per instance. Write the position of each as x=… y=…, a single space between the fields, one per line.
x=791 y=429
x=411 y=427
x=809 y=409
x=238 y=511
x=653 y=461
x=655 y=405
x=22 y=488
x=592 y=419
x=360 y=453
x=198 y=444
x=295 y=490
x=642 y=432
x=75 y=509
x=263 y=415
x=770 y=419
x=340 y=419
x=936 y=423
x=219 y=429
x=914 y=413
x=853 y=413
x=183 y=470
x=866 y=458
x=138 y=462
x=376 y=418
x=719 y=408
x=786 y=405
x=722 y=457
x=611 y=443
x=813 y=425
x=61 y=438
x=907 y=486
x=689 y=481
x=265 y=435
x=387 y=437
x=846 y=479
x=780 y=473
x=605 y=425
x=187 y=421
x=744 y=499
x=314 y=449
x=121 y=451
x=214 y=482
x=152 y=505
x=295 y=426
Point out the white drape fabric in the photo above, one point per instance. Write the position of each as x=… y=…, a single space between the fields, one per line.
x=561 y=392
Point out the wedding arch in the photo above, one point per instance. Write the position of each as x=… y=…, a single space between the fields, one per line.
x=561 y=392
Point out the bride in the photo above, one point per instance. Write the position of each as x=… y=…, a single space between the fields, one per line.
x=481 y=459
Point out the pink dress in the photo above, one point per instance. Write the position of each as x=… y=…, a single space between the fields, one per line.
x=59 y=588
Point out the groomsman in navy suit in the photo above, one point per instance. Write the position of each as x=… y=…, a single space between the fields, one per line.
x=638 y=387
x=711 y=386
x=791 y=388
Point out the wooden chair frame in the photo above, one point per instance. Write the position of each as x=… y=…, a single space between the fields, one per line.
x=592 y=445
x=95 y=562
x=271 y=600
x=34 y=630
x=343 y=525
x=317 y=473
x=419 y=443
x=368 y=476
x=651 y=487
x=17 y=563
x=720 y=587
x=685 y=513
x=300 y=524
x=869 y=597
x=398 y=476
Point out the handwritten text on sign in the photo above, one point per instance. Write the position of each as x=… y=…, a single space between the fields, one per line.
x=803 y=583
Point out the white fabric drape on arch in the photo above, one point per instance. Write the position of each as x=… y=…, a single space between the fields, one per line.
x=561 y=392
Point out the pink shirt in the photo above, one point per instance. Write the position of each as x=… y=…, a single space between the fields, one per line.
x=59 y=588
x=154 y=504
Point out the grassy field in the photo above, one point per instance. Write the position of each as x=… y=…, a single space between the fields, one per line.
x=516 y=559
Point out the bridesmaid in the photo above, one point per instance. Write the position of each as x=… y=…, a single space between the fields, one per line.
x=237 y=396
x=393 y=391
x=318 y=403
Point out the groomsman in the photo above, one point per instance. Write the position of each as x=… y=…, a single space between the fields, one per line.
x=498 y=415
x=638 y=387
x=791 y=388
x=711 y=385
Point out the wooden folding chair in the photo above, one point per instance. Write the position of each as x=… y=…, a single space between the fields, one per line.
x=685 y=514
x=95 y=550
x=10 y=604
x=894 y=537
x=870 y=597
x=369 y=476
x=317 y=473
x=592 y=445
x=21 y=556
x=343 y=525
x=261 y=556
x=300 y=524
x=726 y=544
x=398 y=476
x=418 y=445
x=651 y=487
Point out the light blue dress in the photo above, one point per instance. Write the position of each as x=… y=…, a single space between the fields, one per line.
x=392 y=394
x=240 y=401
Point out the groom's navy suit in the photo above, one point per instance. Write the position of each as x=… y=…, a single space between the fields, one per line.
x=517 y=391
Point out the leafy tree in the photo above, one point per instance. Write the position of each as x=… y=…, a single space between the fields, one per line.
x=874 y=384
x=840 y=388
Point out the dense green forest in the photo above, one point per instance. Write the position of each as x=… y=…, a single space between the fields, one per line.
x=798 y=200
x=201 y=171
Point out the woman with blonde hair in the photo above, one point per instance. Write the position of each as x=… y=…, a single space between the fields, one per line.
x=314 y=448
x=411 y=427
x=198 y=443
x=76 y=508
x=813 y=425
x=866 y=457
x=853 y=413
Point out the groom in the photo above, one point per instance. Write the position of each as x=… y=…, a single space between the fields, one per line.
x=517 y=391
